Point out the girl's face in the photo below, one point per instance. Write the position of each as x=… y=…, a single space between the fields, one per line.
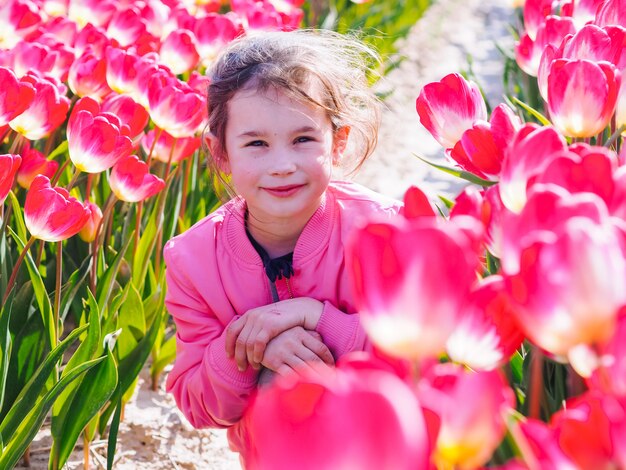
x=279 y=153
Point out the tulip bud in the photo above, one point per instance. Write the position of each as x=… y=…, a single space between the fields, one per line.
x=90 y=231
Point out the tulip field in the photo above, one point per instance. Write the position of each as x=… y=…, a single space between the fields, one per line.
x=498 y=318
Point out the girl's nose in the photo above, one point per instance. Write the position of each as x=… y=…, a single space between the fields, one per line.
x=282 y=163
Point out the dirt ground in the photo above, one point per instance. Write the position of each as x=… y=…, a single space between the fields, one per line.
x=154 y=435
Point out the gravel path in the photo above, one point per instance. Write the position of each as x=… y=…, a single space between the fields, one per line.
x=440 y=43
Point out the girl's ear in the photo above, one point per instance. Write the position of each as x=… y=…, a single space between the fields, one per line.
x=219 y=157
x=340 y=141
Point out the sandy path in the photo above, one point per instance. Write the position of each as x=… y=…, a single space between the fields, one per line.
x=154 y=435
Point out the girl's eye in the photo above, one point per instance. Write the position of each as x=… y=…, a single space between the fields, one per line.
x=303 y=139
x=256 y=143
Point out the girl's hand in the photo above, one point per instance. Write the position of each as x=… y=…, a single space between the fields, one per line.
x=248 y=336
x=295 y=350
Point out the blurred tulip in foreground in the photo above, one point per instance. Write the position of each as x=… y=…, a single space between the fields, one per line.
x=89 y=232
x=610 y=374
x=51 y=214
x=449 y=107
x=411 y=299
x=345 y=418
x=131 y=180
x=9 y=165
x=472 y=406
x=582 y=96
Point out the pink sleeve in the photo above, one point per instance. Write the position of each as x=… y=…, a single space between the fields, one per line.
x=341 y=332
x=207 y=386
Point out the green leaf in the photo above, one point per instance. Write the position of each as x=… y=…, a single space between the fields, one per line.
x=95 y=389
x=18 y=216
x=5 y=345
x=29 y=426
x=73 y=285
x=43 y=301
x=105 y=284
x=131 y=321
x=35 y=386
x=533 y=112
x=61 y=148
x=147 y=241
x=115 y=425
x=466 y=175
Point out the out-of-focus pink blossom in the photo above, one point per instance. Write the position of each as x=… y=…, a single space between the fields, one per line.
x=213 y=32
x=46 y=112
x=34 y=163
x=411 y=300
x=582 y=96
x=9 y=165
x=581 y=11
x=18 y=18
x=608 y=371
x=539 y=446
x=416 y=204
x=176 y=107
x=487 y=334
x=167 y=148
x=96 y=140
x=528 y=51
x=128 y=27
x=449 y=107
x=131 y=180
x=89 y=232
x=200 y=83
x=472 y=406
x=527 y=156
x=535 y=13
x=302 y=422
x=15 y=95
x=95 y=12
x=94 y=39
x=611 y=12
x=179 y=51
x=50 y=213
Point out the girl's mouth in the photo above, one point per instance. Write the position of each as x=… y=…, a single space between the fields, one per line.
x=284 y=191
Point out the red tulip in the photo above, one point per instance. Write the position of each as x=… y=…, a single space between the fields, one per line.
x=582 y=96
x=46 y=112
x=51 y=214
x=449 y=107
x=9 y=165
x=487 y=334
x=131 y=181
x=416 y=204
x=15 y=95
x=354 y=416
x=96 y=140
x=472 y=406
x=167 y=148
x=410 y=300
x=89 y=232
x=34 y=163
x=179 y=51
x=527 y=156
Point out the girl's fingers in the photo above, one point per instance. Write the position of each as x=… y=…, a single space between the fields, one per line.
x=241 y=356
x=232 y=333
x=319 y=349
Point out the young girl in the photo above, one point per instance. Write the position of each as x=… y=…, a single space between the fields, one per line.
x=260 y=286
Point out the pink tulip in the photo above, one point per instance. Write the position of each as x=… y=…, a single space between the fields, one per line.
x=213 y=32
x=582 y=96
x=167 y=148
x=410 y=300
x=470 y=202
x=449 y=107
x=620 y=107
x=303 y=422
x=608 y=362
x=581 y=11
x=199 y=82
x=9 y=165
x=539 y=446
x=130 y=112
x=527 y=156
x=416 y=204
x=57 y=26
x=611 y=12
x=46 y=112
x=487 y=334
x=528 y=51
x=87 y=77
x=96 y=12
x=89 y=232
x=94 y=39
x=18 y=18
x=591 y=431
x=179 y=51
x=535 y=13
x=566 y=282
x=123 y=72
x=131 y=181
x=15 y=95
x=51 y=214
x=472 y=406
x=482 y=147
x=34 y=163
x=176 y=107
x=96 y=140
x=128 y=27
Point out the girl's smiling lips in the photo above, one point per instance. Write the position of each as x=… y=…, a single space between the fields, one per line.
x=283 y=191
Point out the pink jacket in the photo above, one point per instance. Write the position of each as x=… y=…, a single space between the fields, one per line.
x=214 y=275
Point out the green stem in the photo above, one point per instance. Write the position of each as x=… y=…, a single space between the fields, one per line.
x=99 y=240
x=16 y=268
x=157 y=136
x=615 y=136
x=73 y=180
x=536 y=384
x=59 y=172
x=137 y=227
x=57 y=291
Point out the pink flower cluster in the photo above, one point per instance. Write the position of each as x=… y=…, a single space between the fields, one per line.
x=122 y=79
